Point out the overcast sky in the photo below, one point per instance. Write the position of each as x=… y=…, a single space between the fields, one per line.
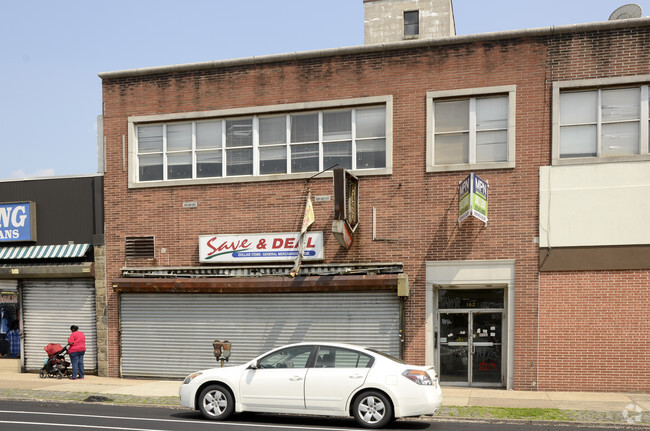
x=52 y=50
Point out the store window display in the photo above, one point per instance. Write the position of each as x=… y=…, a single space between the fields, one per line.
x=9 y=326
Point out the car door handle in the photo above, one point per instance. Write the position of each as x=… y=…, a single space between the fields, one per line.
x=356 y=376
x=295 y=378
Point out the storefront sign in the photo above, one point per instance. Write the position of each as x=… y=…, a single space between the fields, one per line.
x=472 y=198
x=266 y=247
x=342 y=232
x=18 y=221
x=8 y=298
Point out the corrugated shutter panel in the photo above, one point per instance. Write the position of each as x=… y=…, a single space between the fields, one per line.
x=170 y=335
x=8 y=285
x=50 y=307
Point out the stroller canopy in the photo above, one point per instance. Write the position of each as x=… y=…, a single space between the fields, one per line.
x=53 y=349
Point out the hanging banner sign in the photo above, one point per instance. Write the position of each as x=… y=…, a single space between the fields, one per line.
x=473 y=198
x=18 y=221
x=265 y=247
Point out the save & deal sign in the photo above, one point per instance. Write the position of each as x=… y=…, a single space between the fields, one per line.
x=18 y=221
x=266 y=247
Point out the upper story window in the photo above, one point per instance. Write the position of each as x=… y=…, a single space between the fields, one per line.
x=606 y=123
x=470 y=129
x=259 y=145
x=411 y=23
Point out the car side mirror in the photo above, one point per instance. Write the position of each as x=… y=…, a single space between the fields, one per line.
x=252 y=365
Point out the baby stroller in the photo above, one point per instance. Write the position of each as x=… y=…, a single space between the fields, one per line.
x=55 y=365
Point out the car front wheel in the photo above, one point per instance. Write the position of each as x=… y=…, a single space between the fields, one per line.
x=216 y=403
x=372 y=410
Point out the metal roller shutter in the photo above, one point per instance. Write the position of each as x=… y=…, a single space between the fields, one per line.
x=9 y=285
x=50 y=307
x=170 y=335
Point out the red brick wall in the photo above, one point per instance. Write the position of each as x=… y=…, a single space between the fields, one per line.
x=594 y=331
x=416 y=210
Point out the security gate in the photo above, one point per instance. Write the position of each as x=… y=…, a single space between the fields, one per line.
x=171 y=335
x=50 y=307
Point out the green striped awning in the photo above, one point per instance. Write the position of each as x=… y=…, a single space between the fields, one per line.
x=44 y=251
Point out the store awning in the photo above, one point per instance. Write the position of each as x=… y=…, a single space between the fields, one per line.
x=65 y=251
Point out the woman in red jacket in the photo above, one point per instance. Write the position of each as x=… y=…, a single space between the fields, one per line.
x=77 y=343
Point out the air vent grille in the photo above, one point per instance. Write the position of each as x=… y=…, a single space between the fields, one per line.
x=140 y=247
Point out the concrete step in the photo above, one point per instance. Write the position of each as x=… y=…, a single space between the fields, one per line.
x=9 y=365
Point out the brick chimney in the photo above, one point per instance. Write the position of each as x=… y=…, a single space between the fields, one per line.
x=398 y=20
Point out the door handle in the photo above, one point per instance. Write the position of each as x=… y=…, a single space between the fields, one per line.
x=295 y=378
x=356 y=376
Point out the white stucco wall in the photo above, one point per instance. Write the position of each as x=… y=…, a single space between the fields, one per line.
x=594 y=205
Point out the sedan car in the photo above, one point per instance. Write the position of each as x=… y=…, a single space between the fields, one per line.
x=328 y=379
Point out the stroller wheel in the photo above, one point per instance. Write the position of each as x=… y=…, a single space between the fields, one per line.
x=59 y=375
x=42 y=374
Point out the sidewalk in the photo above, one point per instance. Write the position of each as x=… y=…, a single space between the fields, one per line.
x=458 y=402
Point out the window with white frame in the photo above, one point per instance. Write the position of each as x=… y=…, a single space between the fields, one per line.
x=260 y=145
x=603 y=120
x=471 y=129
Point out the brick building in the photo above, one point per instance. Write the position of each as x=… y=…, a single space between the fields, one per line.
x=209 y=168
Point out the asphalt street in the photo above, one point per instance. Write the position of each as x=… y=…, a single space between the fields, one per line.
x=38 y=416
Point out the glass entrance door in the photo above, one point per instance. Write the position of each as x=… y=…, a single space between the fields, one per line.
x=470 y=347
x=454 y=347
x=470 y=337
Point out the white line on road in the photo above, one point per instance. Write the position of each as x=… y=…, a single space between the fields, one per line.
x=78 y=426
x=196 y=423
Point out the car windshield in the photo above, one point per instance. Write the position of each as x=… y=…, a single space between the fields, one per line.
x=386 y=355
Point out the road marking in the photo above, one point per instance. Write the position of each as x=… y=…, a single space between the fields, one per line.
x=197 y=422
x=78 y=426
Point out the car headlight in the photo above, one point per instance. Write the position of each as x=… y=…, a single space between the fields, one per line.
x=191 y=377
x=418 y=376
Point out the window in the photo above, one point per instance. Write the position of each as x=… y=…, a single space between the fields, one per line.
x=150 y=152
x=600 y=122
x=411 y=23
x=299 y=142
x=334 y=357
x=273 y=151
x=209 y=158
x=607 y=123
x=471 y=129
x=290 y=357
x=239 y=147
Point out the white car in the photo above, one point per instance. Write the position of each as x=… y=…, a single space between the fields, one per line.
x=328 y=379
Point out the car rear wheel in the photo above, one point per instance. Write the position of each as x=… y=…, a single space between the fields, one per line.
x=372 y=410
x=216 y=403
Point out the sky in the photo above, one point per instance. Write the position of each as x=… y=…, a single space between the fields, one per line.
x=51 y=52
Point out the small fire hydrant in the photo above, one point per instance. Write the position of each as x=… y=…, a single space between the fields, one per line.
x=221 y=350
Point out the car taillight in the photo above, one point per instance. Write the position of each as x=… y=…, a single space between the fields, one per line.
x=418 y=376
